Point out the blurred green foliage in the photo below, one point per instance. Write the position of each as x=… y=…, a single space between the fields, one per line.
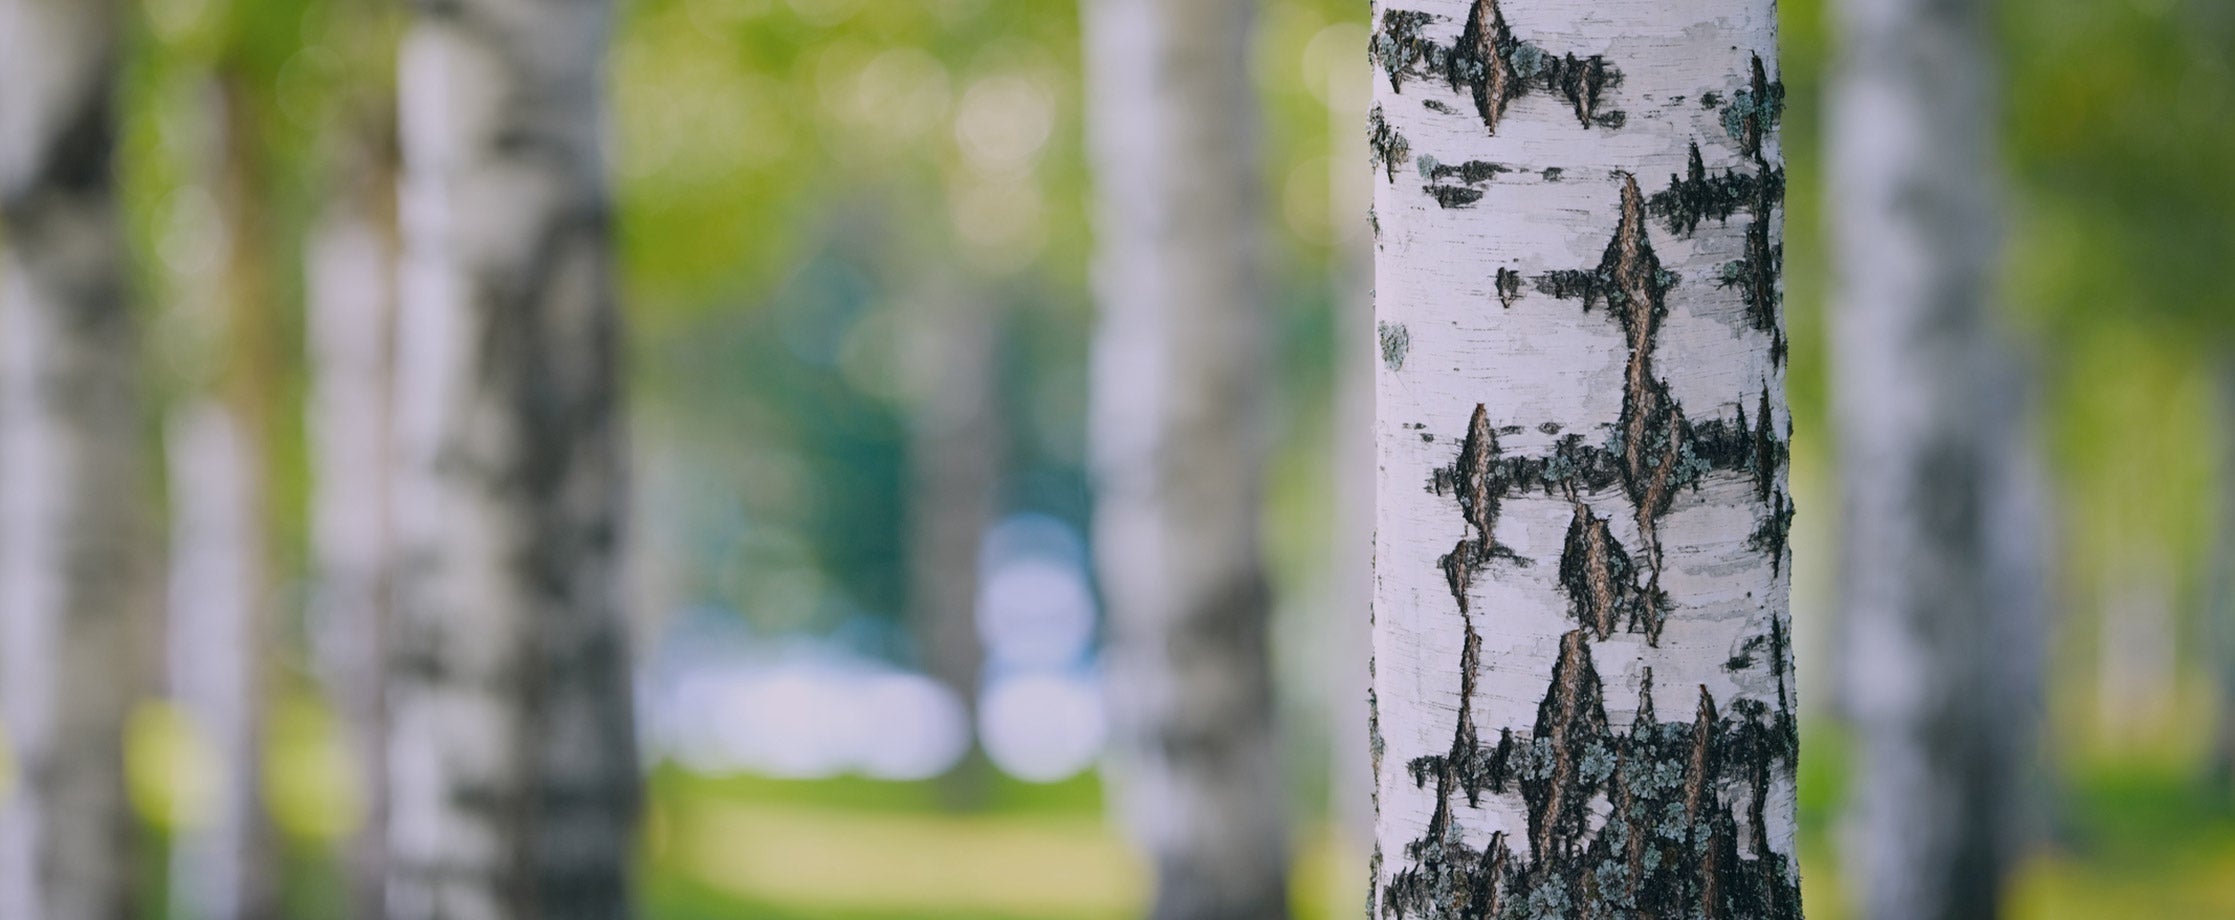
x=792 y=174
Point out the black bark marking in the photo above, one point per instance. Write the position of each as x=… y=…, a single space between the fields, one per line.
x=1668 y=842
x=1755 y=111
x=1395 y=342
x=1453 y=196
x=1652 y=436
x=1509 y=287
x=1599 y=576
x=1667 y=846
x=1752 y=114
x=1493 y=66
x=1386 y=148
x=1699 y=196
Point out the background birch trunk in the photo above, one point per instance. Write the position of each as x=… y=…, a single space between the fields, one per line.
x=220 y=444
x=956 y=450
x=70 y=551
x=1583 y=691
x=2221 y=614
x=222 y=862
x=350 y=305
x=511 y=752
x=1175 y=444
x=1942 y=503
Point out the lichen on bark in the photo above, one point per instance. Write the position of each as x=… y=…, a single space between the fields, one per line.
x=1548 y=786
x=1492 y=65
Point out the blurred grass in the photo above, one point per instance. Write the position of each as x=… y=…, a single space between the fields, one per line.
x=2130 y=842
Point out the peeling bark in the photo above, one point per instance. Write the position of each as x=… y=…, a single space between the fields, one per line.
x=1177 y=450
x=71 y=551
x=1942 y=555
x=510 y=746
x=1612 y=481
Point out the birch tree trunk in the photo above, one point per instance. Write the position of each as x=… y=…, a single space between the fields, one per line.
x=350 y=322
x=221 y=867
x=70 y=557
x=1941 y=566
x=225 y=855
x=511 y=751
x=1582 y=443
x=956 y=452
x=1175 y=439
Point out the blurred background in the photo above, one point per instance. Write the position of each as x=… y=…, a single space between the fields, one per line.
x=854 y=238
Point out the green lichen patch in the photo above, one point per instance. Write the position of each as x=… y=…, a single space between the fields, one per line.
x=1395 y=342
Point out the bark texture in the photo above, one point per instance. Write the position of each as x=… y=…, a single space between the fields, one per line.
x=350 y=329
x=1941 y=569
x=1176 y=450
x=511 y=751
x=70 y=552
x=1583 y=693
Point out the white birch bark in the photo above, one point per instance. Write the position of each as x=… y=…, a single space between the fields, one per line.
x=224 y=856
x=70 y=557
x=1943 y=499
x=221 y=855
x=1175 y=439
x=1583 y=695
x=511 y=751
x=350 y=317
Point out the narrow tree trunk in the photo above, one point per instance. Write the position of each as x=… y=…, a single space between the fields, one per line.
x=1175 y=434
x=351 y=317
x=1350 y=639
x=2222 y=614
x=1582 y=443
x=956 y=452
x=223 y=856
x=511 y=750
x=1943 y=500
x=70 y=496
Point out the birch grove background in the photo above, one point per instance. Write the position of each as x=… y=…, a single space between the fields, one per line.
x=866 y=460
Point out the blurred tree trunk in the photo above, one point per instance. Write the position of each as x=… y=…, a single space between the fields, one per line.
x=225 y=856
x=1583 y=690
x=1942 y=560
x=222 y=864
x=1350 y=640
x=511 y=749
x=2222 y=614
x=956 y=452
x=1176 y=440
x=350 y=326
x=71 y=556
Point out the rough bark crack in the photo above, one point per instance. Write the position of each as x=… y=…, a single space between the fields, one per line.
x=1492 y=65
x=1661 y=819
